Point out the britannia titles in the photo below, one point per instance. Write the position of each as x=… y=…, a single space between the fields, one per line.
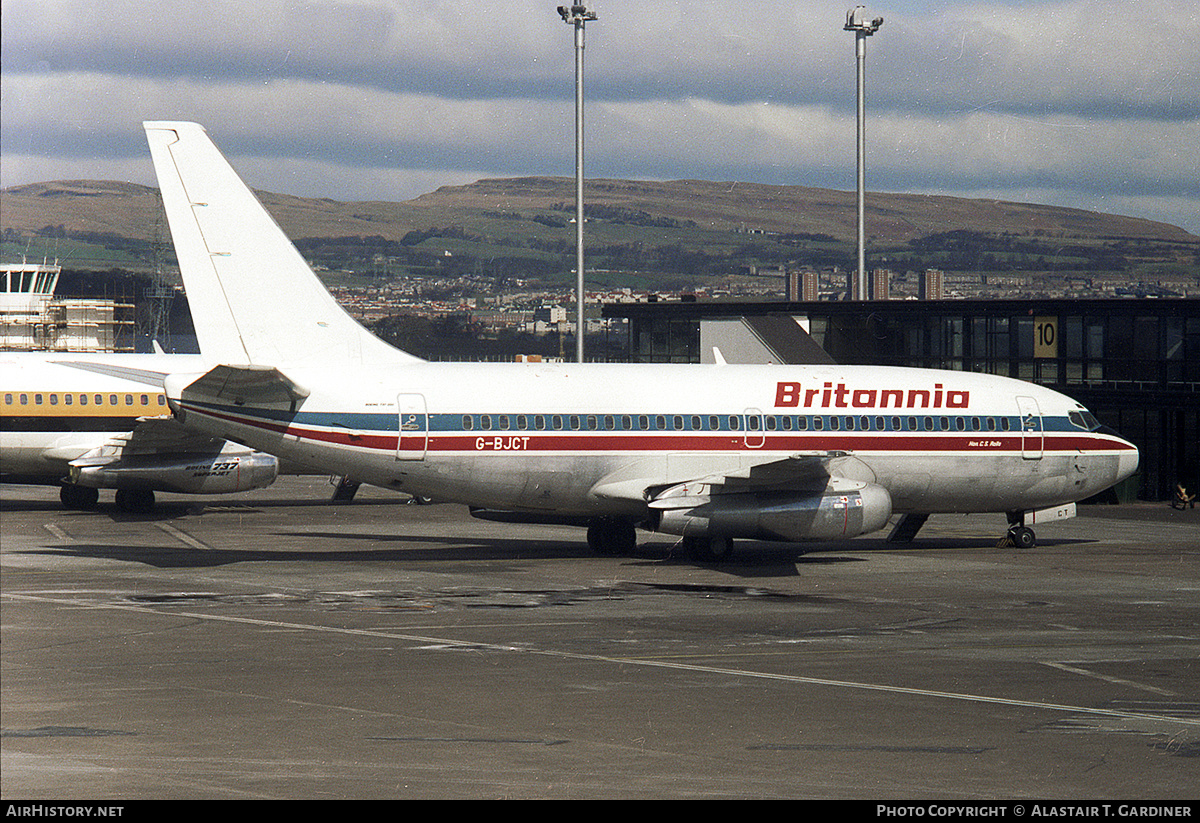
x=792 y=395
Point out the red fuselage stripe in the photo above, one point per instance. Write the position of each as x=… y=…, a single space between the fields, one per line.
x=1007 y=442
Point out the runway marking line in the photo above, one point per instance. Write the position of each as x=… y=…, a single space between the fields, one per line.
x=183 y=537
x=629 y=661
x=1119 y=681
x=57 y=531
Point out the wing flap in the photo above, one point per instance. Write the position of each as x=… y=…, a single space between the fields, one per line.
x=671 y=490
x=803 y=469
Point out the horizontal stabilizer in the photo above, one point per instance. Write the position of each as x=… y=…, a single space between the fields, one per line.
x=259 y=386
x=144 y=376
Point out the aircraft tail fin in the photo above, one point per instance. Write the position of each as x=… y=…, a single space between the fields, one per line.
x=253 y=298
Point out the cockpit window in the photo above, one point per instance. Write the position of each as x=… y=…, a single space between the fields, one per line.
x=1084 y=420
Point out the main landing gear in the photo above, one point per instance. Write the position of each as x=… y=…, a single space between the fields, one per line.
x=85 y=498
x=708 y=549
x=80 y=498
x=1019 y=535
x=135 y=501
x=612 y=536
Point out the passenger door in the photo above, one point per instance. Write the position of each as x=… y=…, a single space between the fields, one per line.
x=1032 y=437
x=412 y=436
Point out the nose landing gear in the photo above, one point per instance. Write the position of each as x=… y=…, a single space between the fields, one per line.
x=1019 y=535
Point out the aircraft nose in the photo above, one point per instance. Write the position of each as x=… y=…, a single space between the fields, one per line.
x=1128 y=461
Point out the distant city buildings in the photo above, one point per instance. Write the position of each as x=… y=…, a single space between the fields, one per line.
x=881 y=285
x=803 y=285
x=931 y=286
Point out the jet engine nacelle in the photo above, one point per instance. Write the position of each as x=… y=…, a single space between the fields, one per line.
x=790 y=516
x=198 y=474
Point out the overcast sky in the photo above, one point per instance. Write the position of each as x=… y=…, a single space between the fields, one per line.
x=1093 y=104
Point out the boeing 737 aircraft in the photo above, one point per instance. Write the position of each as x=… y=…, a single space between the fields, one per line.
x=86 y=422
x=712 y=453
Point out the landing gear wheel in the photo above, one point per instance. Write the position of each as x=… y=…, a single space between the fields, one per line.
x=1022 y=537
x=708 y=549
x=135 y=501
x=612 y=536
x=78 y=497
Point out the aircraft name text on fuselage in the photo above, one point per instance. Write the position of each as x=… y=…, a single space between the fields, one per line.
x=790 y=394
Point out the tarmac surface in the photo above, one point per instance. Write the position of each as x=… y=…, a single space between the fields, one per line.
x=273 y=645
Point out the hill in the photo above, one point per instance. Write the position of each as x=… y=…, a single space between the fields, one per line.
x=129 y=210
x=685 y=228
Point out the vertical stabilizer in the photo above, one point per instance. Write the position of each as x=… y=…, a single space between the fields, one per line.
x=253 y=298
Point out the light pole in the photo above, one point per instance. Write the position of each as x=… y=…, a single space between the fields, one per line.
x=856 y=21
x=576 y=16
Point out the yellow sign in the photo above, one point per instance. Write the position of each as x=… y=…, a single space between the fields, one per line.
x=1045 y=337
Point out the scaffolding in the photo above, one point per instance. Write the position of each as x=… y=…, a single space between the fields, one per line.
x=33 y=319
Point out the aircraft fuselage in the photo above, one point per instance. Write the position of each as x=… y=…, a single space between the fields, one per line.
x=592 y=439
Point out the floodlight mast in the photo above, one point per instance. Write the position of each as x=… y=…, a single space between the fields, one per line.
x=577 y=16
x=856 y=21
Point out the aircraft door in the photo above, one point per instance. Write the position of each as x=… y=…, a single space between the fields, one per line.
x=1031 y=428
x=754 y=429
x=412 y=436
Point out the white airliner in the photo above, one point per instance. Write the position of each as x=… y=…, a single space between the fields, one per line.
x=86 y=421
x=708 y=452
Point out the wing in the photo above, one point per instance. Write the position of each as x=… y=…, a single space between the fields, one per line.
x=157 y=435
x=695 y=479
x=161 y=454
x=803 y=470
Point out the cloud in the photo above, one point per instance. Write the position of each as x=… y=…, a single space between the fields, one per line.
x=1082 y=101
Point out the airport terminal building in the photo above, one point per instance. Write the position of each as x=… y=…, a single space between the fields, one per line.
x=1134 y=362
